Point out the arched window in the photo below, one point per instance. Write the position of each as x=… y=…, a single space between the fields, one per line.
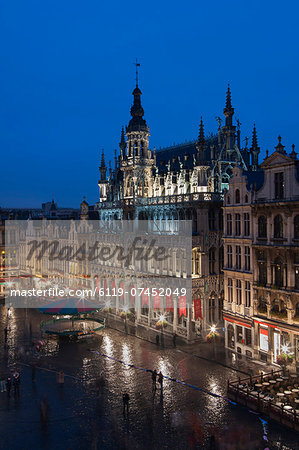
x=237 y=196
x=228 y=200
x=296 y=227
x=278 y=226
x=136 y=148
x=139 y=188
x=246 y=198
x=262 y=227
x=278 y=272
x=229 y=225
x=142 y=148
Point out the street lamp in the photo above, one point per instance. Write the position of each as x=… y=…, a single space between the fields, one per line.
x=213 y=328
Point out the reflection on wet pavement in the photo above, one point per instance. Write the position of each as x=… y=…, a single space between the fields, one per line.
x=87 y=411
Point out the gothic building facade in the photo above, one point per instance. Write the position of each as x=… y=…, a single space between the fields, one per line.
x=261 y=272
x=180 y=182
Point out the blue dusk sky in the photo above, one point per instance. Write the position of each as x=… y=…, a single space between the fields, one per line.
x=67 y=76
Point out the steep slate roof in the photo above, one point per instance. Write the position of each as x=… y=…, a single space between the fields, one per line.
x=176 y=155
x=256 y=179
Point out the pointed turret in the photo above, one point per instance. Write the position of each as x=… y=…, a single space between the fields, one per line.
x=229 y=130
x=201 y=142
x=254 y=150
x=228 y=104
x=228 y=110
x=279 y=147
x=122 y=144
x=115 y=160
x=103 y=168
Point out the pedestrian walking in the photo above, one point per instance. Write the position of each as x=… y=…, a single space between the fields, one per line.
x=8 y=385
x=154 y=379
x=16 y=383
x=157 y=339
x=174 y=339
x=2 y=383
x=160 y=380
x=126 y=399
x=60 y=378
x=44 y=412
x=5 y=334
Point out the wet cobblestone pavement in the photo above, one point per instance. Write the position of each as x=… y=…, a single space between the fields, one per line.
x=83 y=414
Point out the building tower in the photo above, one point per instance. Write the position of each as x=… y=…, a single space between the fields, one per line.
x=137 y=164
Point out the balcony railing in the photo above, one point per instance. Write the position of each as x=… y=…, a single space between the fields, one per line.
x=167 y=199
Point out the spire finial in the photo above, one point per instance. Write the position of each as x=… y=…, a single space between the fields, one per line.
x=103 y=159
x=254 y=150
x=137 y=64
x=254 y=137
x=201 y=136
x=228 y=104
x=279 y=147
x=293 y=154
x=200 y=146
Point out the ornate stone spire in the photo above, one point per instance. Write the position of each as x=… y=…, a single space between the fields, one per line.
x=122 y=144
x=228 y=104
x=228 y=110
x=254 y=150
x=103 y=167
x=200 y=146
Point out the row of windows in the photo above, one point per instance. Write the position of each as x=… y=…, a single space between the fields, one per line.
x=278 y=231
x=237 y=227
x=278 y=227
x=238 y=286
x=238 y=197
x=246 y=339
x=279 y=274
x=238 y=257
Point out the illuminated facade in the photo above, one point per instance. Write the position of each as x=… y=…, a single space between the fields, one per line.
x=180 y=182
x=264 y=322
